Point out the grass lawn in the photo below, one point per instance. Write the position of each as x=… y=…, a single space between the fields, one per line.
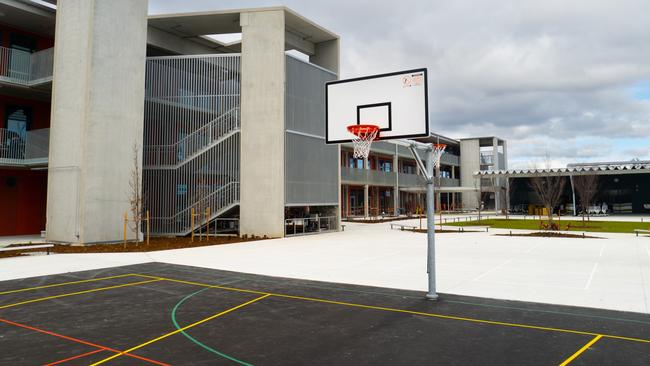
x=573 y=225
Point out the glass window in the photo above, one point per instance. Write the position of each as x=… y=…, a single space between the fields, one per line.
x=385 y=165
x=18 y=120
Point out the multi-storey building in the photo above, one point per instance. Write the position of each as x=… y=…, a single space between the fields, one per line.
x=389 y=183
x=93 y=91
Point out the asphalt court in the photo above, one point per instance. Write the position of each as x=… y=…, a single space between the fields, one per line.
x=166 y=314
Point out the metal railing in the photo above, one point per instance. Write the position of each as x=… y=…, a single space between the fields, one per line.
x=31 y=149
x=26 y=68
x=449 y=159
x=41 y=66
x=218 y=201
x=367 y=176
x=194 y=143
x=411 y=180
x=308 y=225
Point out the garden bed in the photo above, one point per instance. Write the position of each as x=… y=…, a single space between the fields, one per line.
x=157 y=243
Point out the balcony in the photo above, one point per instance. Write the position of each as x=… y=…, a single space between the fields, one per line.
x=367 y=176
x=29 y=150
x=25 y=68
x=449 y=159
x=448 y=182
x=410 y=180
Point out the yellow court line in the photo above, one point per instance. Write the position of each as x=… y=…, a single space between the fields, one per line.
x=584 y=348
x=76 y=293
x=181 y=329
x=67 y=283
x=433 y=315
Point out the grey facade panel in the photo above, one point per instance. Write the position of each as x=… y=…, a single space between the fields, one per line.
x=311 y=170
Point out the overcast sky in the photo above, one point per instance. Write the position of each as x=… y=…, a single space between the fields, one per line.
x=570 y=79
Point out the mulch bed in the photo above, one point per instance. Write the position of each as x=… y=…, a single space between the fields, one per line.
x=445 y=231
x=550 y=234
x=157 y=243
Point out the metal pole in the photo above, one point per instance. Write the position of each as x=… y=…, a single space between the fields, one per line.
x=427 y=171
x=431 y=229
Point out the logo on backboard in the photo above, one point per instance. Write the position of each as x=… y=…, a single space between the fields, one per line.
x=412 y=80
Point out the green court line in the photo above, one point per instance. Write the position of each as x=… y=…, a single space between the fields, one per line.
x=197 y=342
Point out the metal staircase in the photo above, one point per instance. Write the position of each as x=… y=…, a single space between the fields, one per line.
x=220 y=201
x=190 y=157
x=191 y=139
x=193 y=145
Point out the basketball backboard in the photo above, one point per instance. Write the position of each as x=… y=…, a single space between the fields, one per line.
x=396 y=102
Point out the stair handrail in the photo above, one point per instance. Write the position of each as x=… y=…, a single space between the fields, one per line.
x=150 y=150
x=229 y=191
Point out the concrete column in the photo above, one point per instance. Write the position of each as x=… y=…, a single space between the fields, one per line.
x=497 y=181
x=262 y=117
x=470 y=155
x=505 y=154
x=366 y=201
x=97 y=117
x=396 y=187
x=453 y=194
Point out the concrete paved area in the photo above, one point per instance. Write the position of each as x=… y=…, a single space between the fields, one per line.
x=610 y=273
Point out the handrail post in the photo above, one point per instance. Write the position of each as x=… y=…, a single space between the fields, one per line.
x=192 y=223
x=148 y=227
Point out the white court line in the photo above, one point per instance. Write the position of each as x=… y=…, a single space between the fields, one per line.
x=527 y=285
x=533 y=248
x=602 y=249
x=591 y=276
x=493 y=269
x=502 y=264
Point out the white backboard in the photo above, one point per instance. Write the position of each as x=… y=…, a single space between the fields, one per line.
x=397 y=102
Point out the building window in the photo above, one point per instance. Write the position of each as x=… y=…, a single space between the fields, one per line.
x=386 y=165
x=355 y=163
x=18 y=121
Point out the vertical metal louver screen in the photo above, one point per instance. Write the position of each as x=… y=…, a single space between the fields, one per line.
x=191 y=138
x=311 y=169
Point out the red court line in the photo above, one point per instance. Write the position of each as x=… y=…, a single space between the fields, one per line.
x=75 y=357
x=80 y=341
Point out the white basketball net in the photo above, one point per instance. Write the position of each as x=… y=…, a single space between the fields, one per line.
x=362 y=141
x=438 y=149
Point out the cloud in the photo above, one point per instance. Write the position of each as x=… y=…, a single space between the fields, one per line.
x=541 y=74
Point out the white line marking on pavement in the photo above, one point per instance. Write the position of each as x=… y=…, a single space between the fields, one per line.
x=493 y=269
x=591 y=276
x=602 y=249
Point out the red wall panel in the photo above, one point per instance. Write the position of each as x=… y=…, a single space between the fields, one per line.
x=23 y=198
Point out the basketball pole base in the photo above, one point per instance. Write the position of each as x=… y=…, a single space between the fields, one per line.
x=432 y=296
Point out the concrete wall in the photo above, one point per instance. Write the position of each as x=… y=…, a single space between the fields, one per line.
x=262 y=117
x=326 y=55
x=175 y=44
x=469 y=163
x=97 y=117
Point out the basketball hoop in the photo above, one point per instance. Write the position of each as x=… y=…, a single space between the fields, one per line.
x=438 y=149
x=364 y=135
